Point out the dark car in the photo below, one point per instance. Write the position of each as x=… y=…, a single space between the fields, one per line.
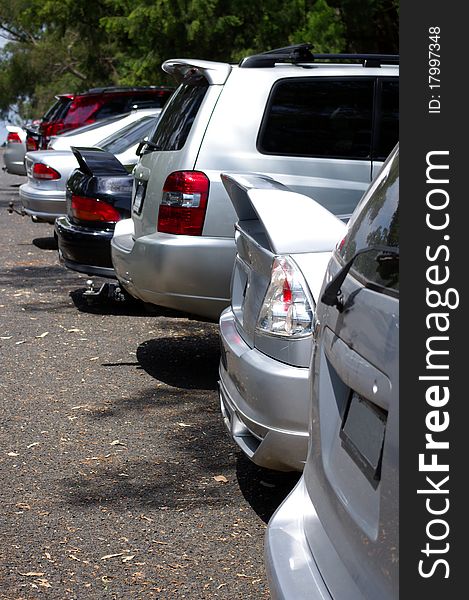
x=74 y=110
x=98 y=196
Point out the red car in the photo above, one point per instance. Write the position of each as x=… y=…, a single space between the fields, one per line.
x=74 y=110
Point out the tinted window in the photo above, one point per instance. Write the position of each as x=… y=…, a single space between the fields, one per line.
x=129 y=136
x=387 y=131
x=111 y=107
x=376 y=223
x=56 y=108
x=178 y=116
x=319 y=117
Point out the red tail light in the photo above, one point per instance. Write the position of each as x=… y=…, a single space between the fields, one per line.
x=92 y=209
x=31 y=144
x=53 y=128
x=42 y=171
x=184 y=203
x=13 y=138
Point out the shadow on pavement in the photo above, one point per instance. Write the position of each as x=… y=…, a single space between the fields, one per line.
x=262 y=488
x=46 y=243
x=183 y=361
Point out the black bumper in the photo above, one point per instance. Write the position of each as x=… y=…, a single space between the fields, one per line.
x=84 y=249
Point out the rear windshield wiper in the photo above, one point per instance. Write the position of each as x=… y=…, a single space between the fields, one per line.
x=332 y=295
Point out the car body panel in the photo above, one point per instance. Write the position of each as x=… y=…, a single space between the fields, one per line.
x=13 y=156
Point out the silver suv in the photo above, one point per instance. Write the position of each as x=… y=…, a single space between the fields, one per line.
x=321 y=128
x=336 y=536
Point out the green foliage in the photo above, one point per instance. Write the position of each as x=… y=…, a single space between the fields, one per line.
x=69 y=45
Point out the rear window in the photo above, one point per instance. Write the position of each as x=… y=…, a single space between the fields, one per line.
x=376 y=224
x=81 y=110
x=129 y=136
x=179 y=115
x=57 y=110
x=319 y=117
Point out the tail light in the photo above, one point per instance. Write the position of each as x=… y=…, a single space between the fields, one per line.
x=287 y=309
x=52 y=128
x=92 y=209
x=42 y=171
x=184 y=203
x=31 y=144
x=13 y=138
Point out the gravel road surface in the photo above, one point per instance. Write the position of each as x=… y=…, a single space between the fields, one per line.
x=118 y=480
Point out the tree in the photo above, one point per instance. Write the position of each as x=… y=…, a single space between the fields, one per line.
x=58 y=46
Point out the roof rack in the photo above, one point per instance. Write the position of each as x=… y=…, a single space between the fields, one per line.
x=125 y=88
x=301 y=53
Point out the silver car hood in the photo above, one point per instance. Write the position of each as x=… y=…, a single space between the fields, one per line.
x=293 y=223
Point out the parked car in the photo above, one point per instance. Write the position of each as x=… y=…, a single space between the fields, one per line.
x=266 y=333
x=15 y=149
x=321 y=128
x=337 y=534
x=86 y=135
x=71 y=111
x=43 y=195
x=98 y=194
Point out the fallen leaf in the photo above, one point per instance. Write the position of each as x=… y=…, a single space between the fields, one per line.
x=47 y=555
x=117 y=443
x=12 y=454
x=21 y=342
x=220 y=479
x=23 y=506
x=127 y=558
x=31 y=574
x=184 y=425
x=33 y=444
x=73 y=557
x=42 y=335
x=74 y=330
x=6 y=337
x=112 y=555
x=44 y=583
x=94 y=358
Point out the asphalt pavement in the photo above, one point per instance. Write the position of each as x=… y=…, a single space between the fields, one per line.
x=118 y=480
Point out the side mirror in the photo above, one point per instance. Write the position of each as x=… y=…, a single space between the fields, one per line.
x=141 y=146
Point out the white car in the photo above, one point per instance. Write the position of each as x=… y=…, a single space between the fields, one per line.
x=89 y=134
x=44 y=195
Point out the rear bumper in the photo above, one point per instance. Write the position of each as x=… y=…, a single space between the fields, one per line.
x=84 y=250
x=185 y=273
x=292 y=572
x=43 y=205
x=265 y=403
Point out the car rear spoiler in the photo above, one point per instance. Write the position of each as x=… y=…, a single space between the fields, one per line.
x=293 y=223
x=97 y=162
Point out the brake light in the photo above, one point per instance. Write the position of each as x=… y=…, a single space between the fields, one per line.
x=42 y=171
x=13 y=138
x=92 y=209
x=287 y=309
x=52 y=128
x=184 y=203
x=31 y=144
